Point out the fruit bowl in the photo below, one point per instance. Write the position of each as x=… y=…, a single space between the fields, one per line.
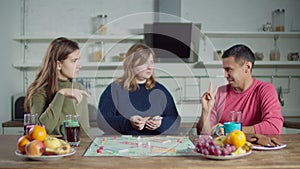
x=45 y=157
x=227 y=157
x=227 y=147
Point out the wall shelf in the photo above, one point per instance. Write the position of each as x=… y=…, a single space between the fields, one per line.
x=260 y=63
x=91 y=38
x=34 y=65
x=242 y=34
x=212 y=34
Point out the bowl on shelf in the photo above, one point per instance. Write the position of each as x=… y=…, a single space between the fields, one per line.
x=293 y=56
x=259 y=55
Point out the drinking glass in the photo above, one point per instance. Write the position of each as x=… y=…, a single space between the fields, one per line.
x=236 y=116
x=71 y=131
x=30 y=120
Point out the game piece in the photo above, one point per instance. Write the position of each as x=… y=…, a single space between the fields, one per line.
x=103 y=140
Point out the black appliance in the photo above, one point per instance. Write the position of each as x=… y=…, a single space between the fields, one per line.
x=17 y=102
x=172 y=41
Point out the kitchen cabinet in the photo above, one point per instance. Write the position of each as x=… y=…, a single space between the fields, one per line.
x=13 y=131
x=13 y=128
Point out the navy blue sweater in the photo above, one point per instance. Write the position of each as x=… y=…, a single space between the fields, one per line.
x=117 y=105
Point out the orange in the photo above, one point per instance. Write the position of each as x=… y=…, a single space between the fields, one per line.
x=37 y=133
x=22 y=141
x=236 y=138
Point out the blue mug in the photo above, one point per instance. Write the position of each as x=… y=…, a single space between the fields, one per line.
x=229 y=127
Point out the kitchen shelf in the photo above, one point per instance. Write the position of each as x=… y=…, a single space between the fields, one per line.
x=212 y=34
x=32 y=65
x=242 y=34
x=107 y=38
x=116 y=64
x=260 y=63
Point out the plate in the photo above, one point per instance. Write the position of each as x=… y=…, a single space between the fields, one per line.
x=45 y=157
x=228 y=157
x=256 y=147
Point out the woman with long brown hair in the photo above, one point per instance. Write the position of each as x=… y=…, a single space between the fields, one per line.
x=53 y=94
x=135 y=103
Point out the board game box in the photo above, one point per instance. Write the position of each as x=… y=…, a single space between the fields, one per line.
x=139 y=146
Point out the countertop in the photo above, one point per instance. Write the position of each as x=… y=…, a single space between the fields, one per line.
x=292 y=122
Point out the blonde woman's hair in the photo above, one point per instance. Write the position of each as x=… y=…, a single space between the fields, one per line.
x=136 y=55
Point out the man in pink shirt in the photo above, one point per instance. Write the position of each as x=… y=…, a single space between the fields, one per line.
x=256 y=100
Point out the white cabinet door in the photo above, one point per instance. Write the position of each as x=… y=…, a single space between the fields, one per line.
x=13 y=130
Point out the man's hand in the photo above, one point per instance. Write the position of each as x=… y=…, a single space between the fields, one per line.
x=263 y=140
x=208 y=98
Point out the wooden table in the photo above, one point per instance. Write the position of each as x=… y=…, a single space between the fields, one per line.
x=284 y=158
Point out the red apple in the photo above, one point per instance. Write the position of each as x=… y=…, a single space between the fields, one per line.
x=35 y=148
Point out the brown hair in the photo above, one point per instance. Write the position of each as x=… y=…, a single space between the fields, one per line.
x=47 y=76
x=138 y=53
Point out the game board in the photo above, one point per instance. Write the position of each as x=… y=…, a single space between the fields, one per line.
x=139 y=146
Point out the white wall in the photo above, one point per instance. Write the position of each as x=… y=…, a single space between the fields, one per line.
x=11 y=79
x=238 y=15
x=73 y=17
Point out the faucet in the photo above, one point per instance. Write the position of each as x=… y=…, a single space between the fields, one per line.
x=280 y=96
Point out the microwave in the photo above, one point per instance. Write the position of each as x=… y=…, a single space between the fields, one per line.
x=17 y=106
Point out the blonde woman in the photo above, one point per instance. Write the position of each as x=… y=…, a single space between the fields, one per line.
x=53 y=94
x=135 y=103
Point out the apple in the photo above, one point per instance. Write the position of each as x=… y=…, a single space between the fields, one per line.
x=35 y=148
x=52 y=142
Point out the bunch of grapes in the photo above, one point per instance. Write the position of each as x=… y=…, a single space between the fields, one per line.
x=206 y=145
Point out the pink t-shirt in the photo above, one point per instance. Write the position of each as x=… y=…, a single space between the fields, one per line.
x=259 y=105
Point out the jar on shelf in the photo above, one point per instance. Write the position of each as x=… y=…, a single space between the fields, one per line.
x=102 y=24
x=267 y=27
x=275 y=52
x=278 y=19
x=99 y=52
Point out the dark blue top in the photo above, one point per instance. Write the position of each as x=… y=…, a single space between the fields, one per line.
x=117 y=105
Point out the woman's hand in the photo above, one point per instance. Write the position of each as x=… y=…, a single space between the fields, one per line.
x=75 y=94
x=137 y=122
x=153 y=123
